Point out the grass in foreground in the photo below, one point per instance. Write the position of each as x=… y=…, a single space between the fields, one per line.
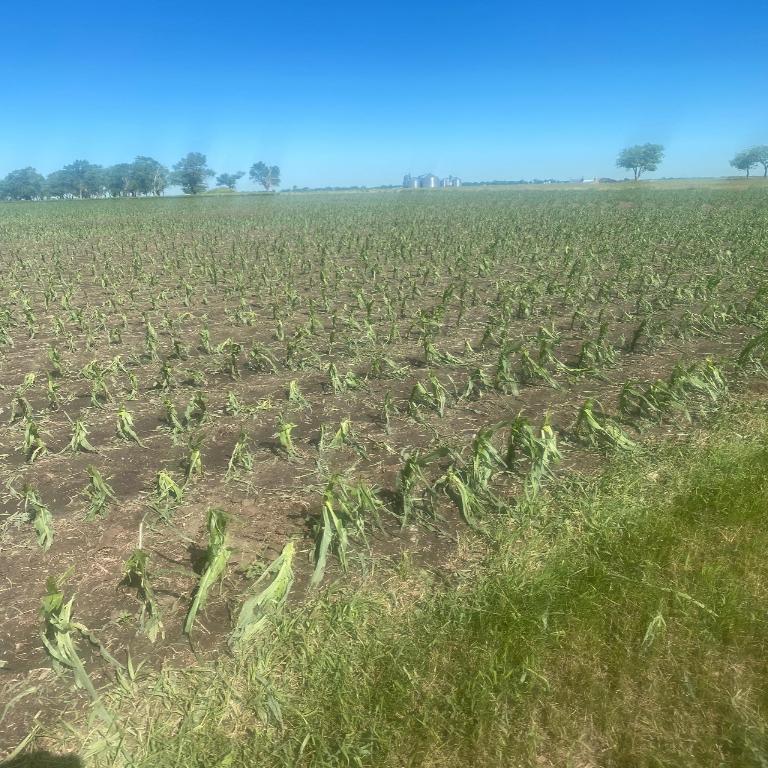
x=620 y=622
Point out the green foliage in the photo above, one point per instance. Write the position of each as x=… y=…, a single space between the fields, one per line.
x=262 y=605
x=167 y=494
x=641 y=158
x=190 y=173
x=99 y=494
x=125 y=427
x=59 y=635
x=345 y=511
x=241 y=457
x=135 y=576
x=216 y=558
x=37 y=513
x=596 y=428
x=539 y=452
x=33 y=446
x=268 y=176
x=284 y=436
x=79 y=439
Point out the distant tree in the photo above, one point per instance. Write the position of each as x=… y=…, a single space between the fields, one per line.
x=80 y=179
x=148 y=176
x=57 y=184
x=229 y=180
x=117 y=179
x=23 y=184
x=191 y=172
x=266 y=175
x=745 y=161
x=641 y=158
x=761 y=157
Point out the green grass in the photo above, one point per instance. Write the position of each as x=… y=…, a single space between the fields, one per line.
x=620 y=621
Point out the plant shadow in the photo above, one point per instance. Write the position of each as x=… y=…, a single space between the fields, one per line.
x=43 y=760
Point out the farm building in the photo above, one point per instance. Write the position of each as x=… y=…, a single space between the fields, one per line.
x=429 y=181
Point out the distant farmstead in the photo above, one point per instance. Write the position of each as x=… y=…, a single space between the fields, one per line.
x=429 y=181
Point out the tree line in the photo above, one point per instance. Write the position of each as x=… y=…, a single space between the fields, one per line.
x=145 y=176
x=647 y=157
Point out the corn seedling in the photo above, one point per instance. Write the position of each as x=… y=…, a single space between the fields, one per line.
x=233 y=349
x=388 y=409
x=260 y=360
x=435 y=397
x=164 y=380
x=285 y=438
x=485 y=459
x=53 y=390
x=332 y=534
x=350 y=381
x=241 y=457
x=434 y=356
x=295 y=398
x=20 y=406
x=505 y=380
x=411 y=476
x=598 y=429
x=99 y=494
x=79 y=439
x=264 y=603
x=216 y=559
x=205 y=341
x=58 y=636
x=193 y=464
x=596 y=354
x=471 y=505
x=172 y=416
x=653 y=401
x=136 y=577
x=477 y=384
x=37 y=513
x=384 y=367
x=150 y=341
x=233 y=406
x=167 y=493
x=54 y=358
x=99 y=393
x=33 y=446
x=542 y=452
x=196 y=410
x=533 y=372
x=125 y=427
x=133 y=392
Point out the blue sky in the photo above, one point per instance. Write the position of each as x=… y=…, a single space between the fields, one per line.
x=359 y=93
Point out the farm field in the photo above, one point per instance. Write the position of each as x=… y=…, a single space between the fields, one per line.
x=194 y=388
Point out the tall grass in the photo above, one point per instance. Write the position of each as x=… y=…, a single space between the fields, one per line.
x=621 y=622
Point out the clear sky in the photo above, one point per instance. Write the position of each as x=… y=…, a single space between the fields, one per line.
x=360 y=92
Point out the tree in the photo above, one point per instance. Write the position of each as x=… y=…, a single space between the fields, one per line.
x=641 y=158
x=266 y=175
x=229 y=180
x=117 y=179
x=761 y=157
x=78 y=179
x=57 y=184
x=148 y=177
x=191 y=172
x=745 y=160
x=23 y=184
